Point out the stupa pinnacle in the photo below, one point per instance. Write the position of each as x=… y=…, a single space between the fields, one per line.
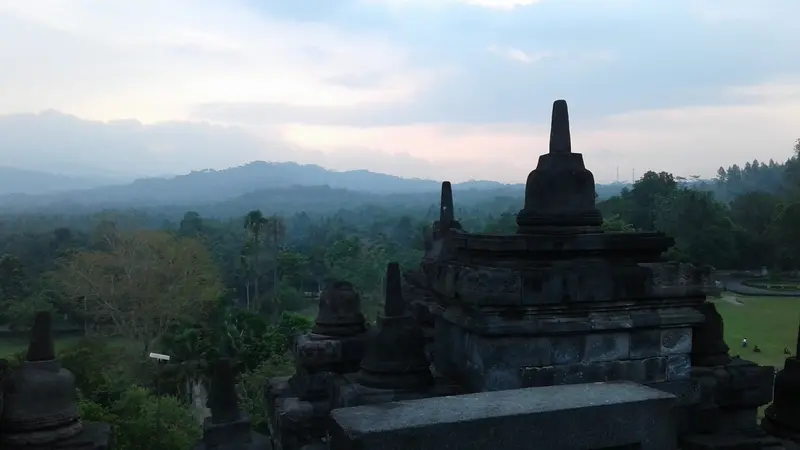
x=559 y=193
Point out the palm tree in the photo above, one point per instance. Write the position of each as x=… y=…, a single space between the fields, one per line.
x=276 y=229
x=254 y=223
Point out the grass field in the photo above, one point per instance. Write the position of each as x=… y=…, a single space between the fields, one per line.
x=769 y=322
x=11 y=346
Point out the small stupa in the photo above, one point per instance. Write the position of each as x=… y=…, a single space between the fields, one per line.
x=395 y=358
x=40 y=407
x=782 y=417
x=228 y=428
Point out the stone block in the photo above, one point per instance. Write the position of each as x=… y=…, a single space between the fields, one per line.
x=610 y=321
x=676 y=341
x=747 y=440
x=649 y=370
x=299 y=416
x=317 y=353
x=601 y=347
x=687 y=392
x=576 y=417
x=740 y=384
x=513 y=352
x=216 y=435
x=679 y=367
x=309 y=385
x=645 y=343
x=482 y=285
x=277 y=388
x=568 y=349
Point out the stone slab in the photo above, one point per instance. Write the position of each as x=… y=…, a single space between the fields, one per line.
x=95 y=436
x=574 y=417
x=732 y=441
x=354 y=394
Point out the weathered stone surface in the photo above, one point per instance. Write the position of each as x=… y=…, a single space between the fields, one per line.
x=339 y=312
x=732 y=441
x=534 y=321
x=600 y=347
x=649 y=370
x=708 y=342
x=679 y=367
x=317 y=352
x=740 y=384
x=588 y=416
x=228 y=428
x=447 y=221
x=299 y=421
x=559 y=193
x=676 y=341
x=782 y=417
x=687 y=392
x=354 y=394
x=94 y=436
x=645 y=343
x=395 y=358
x=494 y=363
x=40 y=400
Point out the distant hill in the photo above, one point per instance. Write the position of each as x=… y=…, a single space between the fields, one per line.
x=285 y=186
x=20 y=181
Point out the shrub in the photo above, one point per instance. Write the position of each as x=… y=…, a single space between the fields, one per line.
x=251 y=388
x=103 y=371
x=143 y=420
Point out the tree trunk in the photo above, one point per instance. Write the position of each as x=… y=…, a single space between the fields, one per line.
x=247 y=292
x=256 y=269
x=275 y=269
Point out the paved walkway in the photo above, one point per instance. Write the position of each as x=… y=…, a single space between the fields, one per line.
x=735 y=285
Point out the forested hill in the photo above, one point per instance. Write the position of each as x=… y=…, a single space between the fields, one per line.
x=287 y=188
x=276 y=187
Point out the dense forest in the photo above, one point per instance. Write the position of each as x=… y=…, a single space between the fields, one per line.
x=207 y=282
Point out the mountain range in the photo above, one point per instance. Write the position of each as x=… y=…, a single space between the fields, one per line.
x=58 y=163
x=274 y=186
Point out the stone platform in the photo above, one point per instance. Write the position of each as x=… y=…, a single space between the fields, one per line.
x=575 y=417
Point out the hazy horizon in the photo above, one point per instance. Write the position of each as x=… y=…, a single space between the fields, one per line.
x=448 y=89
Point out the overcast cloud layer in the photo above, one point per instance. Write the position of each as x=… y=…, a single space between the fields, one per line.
x=452 y=89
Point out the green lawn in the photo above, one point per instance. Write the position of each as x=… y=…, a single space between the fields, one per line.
x=11 y=346
x=769 y=322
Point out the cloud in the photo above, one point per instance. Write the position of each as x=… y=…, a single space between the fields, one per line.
x=153 y=60
x=518 y=55
x=410 y=86
x=501 y=4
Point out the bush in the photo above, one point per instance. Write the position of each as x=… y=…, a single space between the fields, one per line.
x=143 y=420
x=251 y=388
x=103 y=371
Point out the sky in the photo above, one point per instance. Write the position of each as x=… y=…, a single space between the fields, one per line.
x=443 y=89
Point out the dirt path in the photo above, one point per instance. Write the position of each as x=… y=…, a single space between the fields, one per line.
x=732 y=299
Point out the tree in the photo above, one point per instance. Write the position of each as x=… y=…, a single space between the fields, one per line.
x=645 y=195
x=191 y=225
x=141 y=284
x=254 y=223
x=276 y=229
